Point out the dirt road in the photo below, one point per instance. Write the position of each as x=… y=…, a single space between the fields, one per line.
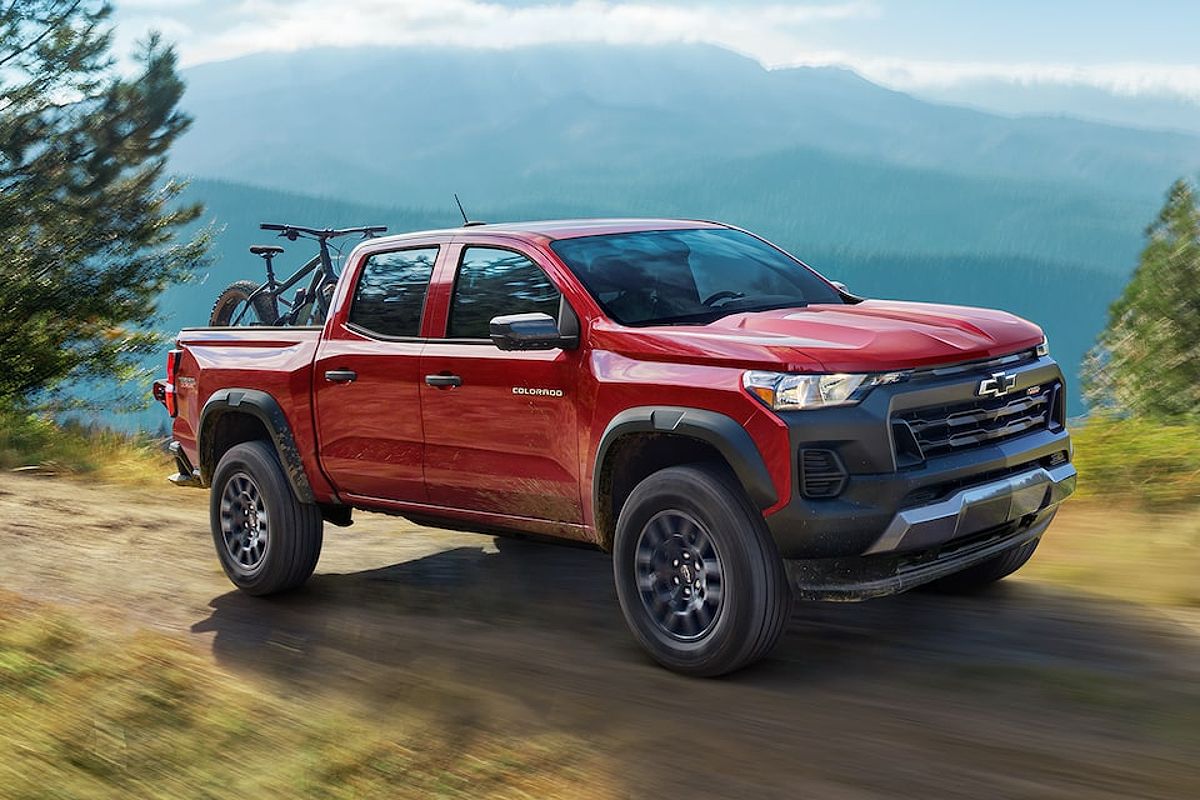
x=1027 y=691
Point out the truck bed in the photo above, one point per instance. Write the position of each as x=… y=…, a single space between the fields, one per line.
x=277 y=361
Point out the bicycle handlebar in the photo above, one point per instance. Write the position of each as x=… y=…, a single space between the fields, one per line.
x=292 y=231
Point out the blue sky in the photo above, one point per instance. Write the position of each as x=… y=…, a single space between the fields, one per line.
x=1130 y=48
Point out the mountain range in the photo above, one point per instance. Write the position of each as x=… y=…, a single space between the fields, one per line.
x=1151 y=110
x=408 y=125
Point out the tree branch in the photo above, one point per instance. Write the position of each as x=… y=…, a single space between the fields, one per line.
x=50 y=28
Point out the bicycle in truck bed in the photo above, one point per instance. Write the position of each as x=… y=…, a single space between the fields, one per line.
x=246 y=302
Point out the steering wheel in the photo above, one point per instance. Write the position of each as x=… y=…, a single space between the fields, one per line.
x=724 y=294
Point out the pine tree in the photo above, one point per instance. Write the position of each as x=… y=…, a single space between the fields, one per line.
x=89 y=221
x=1147 y=361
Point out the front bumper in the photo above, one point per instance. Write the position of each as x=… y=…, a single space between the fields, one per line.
x=865 y=577
x=887 y=506
x=928 y=542
x=978 y=508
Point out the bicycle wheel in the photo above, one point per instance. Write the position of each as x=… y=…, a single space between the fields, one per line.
x=231 y=302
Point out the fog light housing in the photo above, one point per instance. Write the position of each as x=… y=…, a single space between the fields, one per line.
x=822 y=474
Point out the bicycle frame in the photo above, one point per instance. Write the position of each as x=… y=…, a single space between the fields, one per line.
x=320 y=264
x=275 y=289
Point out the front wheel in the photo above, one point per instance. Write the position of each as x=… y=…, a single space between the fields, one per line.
x=699 y=580
x=233 y=301
x=267 y=540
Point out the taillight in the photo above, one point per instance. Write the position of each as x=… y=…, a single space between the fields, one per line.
x=169 y=397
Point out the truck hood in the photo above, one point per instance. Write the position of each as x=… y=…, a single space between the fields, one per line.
x=870 y=336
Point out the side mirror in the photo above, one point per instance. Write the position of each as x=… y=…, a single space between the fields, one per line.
x=528 y=332
x=841 y=287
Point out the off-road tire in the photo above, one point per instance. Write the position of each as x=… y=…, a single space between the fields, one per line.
x=294 y=529
x=755 y=599
x=234 y=297
x=985 y=573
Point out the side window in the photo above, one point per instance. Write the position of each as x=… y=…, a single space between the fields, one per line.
x=391 y=292
x=494 y=282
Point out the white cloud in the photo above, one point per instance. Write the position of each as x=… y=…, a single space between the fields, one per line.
x=285 y=26
x=1128 y=78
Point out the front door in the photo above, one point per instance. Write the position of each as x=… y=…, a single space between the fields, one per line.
x=367 y=380
x=500 y=429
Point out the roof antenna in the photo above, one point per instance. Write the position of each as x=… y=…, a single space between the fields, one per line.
x=466 y=222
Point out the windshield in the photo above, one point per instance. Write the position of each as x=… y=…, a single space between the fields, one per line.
x=688 y=276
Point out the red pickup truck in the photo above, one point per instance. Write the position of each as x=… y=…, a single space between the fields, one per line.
x=733 y=428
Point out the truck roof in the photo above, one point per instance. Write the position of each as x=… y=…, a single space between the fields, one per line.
x=550 y=230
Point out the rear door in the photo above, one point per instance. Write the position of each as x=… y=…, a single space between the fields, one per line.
x=500 y=427
x=367 y=377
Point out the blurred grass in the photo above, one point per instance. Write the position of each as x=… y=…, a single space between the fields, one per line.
x=1152 y=464
x=37 y=443
x=92 y=713
x=1123 y=553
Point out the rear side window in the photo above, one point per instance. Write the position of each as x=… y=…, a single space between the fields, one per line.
x=391 y=292
x=493 y=282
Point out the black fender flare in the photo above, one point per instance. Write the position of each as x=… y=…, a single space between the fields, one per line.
x=728 y=437
x=267 y=410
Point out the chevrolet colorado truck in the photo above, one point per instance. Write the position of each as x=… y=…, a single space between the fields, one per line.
x=736 y=430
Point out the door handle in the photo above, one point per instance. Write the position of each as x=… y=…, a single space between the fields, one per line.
x=443 y=381
x=340 y=375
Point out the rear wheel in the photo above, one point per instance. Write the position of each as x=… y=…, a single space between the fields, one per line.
x=231 y=302
x=700 y=583
x=266 y=539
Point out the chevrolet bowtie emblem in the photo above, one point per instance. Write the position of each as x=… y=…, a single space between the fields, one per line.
x=1000 y=384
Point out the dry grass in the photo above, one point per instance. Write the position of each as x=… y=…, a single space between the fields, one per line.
x=1104 y=541
x=31 y=442
x=96 y=714
x=1096 y=546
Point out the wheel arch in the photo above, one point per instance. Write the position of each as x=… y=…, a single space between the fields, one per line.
x=233 y=416
x=645 y=439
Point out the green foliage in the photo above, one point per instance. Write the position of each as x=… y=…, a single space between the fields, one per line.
x=88 y=219
x=1147 y=361
x=1155 y=464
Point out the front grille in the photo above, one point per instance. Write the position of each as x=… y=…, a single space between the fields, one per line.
x=940 y=430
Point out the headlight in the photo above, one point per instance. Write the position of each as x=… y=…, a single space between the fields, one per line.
x=788 y=392
x=1043 y=349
